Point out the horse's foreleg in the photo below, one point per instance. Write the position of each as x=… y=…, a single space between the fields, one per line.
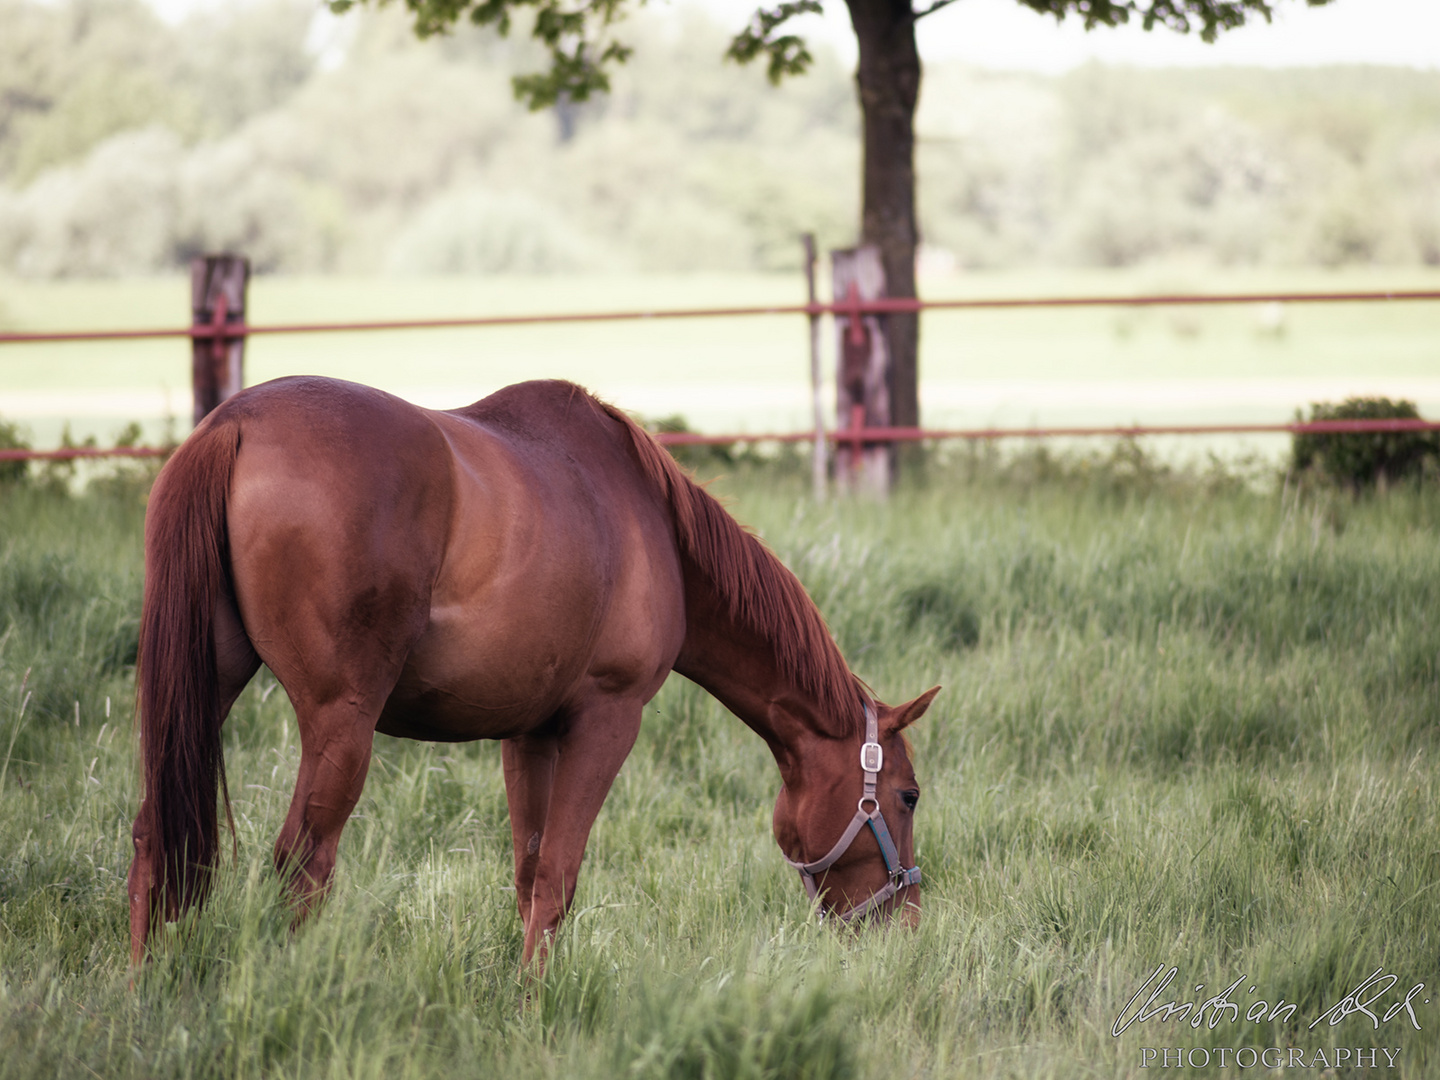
x=529 y=762
x=591 y=751
x=335 y=744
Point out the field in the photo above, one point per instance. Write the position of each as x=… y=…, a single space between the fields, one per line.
x=1094 y=366
x=1186 y=722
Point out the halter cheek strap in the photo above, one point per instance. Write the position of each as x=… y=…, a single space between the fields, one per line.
x=872 y=758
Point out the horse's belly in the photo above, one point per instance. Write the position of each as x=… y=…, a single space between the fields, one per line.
x=468 y=678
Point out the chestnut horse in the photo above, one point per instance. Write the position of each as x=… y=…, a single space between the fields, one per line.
x=528 y=569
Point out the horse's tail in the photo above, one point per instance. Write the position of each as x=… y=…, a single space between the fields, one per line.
x=186 y=557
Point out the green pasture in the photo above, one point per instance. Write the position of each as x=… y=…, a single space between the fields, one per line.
x=1185 y=723
x=1011 y=368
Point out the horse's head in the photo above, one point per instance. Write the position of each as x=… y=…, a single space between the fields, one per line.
x=845 y=816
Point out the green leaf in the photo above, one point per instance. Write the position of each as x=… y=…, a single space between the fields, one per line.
x=786 y=54
x=1182 y=16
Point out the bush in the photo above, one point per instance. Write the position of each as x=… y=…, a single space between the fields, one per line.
x=707 y=460
x=126 y=478
x=112 y=214
x=692 y=455
x=479 y=232
x=12 y=472
x=1363 y=459
x=231 y=198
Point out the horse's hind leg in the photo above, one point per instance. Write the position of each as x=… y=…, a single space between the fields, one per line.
x=335 y=745
x=338 y=657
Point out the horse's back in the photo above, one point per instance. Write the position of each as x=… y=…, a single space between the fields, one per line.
x=500 y=558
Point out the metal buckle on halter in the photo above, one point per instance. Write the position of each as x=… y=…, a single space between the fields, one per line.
x=871 y=757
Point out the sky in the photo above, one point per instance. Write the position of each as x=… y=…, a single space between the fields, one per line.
x=1002 y=34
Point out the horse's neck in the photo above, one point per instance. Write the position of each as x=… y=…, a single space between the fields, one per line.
x=741 y=670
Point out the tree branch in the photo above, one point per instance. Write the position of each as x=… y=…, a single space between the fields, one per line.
x=575 y=33
x=936 y=6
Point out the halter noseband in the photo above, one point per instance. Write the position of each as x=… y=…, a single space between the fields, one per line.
x=872 y=757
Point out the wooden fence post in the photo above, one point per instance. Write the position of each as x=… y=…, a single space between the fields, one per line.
x=819 y=466
x=218 y=286
x=863 y=382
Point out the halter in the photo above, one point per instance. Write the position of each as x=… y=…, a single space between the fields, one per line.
x=872 y=757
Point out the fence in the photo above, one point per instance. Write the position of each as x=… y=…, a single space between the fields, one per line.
x=223 y=329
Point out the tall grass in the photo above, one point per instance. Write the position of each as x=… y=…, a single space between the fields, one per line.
x=1186 y=722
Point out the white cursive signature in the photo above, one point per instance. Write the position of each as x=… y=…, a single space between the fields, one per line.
x=1224 y=1006
x=1379 y=983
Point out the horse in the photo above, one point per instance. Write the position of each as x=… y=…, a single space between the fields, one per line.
x=529 y=568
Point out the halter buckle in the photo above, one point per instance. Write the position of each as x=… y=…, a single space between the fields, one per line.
x=871 y=757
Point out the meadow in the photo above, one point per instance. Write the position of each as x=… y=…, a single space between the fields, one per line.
x=1187 y=721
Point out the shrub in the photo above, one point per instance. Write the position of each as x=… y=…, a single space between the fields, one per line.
x=479 y=232
x=692 y=455
x=1362 y=459
x=231 y=198
x=112 y=214
x=707 y=460
x=11 y=438
x=123 y=477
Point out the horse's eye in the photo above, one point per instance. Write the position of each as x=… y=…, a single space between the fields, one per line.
x=910 y=798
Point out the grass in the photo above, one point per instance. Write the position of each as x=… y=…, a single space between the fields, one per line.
x=1186 y=721
x=1101 y=365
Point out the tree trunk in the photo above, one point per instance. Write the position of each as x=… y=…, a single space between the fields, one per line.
x=889 y=85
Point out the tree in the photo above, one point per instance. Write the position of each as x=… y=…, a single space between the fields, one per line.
x=579 y=37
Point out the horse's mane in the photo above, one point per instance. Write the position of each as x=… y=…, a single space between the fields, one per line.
x=763 y=595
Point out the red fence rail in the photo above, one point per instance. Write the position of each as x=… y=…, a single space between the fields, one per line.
x=867 y=436
x=915 y=434
x=204 y=331
x=71 y=453
x=852 y=308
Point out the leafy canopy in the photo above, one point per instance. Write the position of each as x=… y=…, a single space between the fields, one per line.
x=787 y=54
x=577 y=33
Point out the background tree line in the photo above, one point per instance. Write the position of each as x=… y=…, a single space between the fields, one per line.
x=127 y=145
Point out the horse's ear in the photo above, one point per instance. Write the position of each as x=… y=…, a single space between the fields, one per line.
x=902 y=716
